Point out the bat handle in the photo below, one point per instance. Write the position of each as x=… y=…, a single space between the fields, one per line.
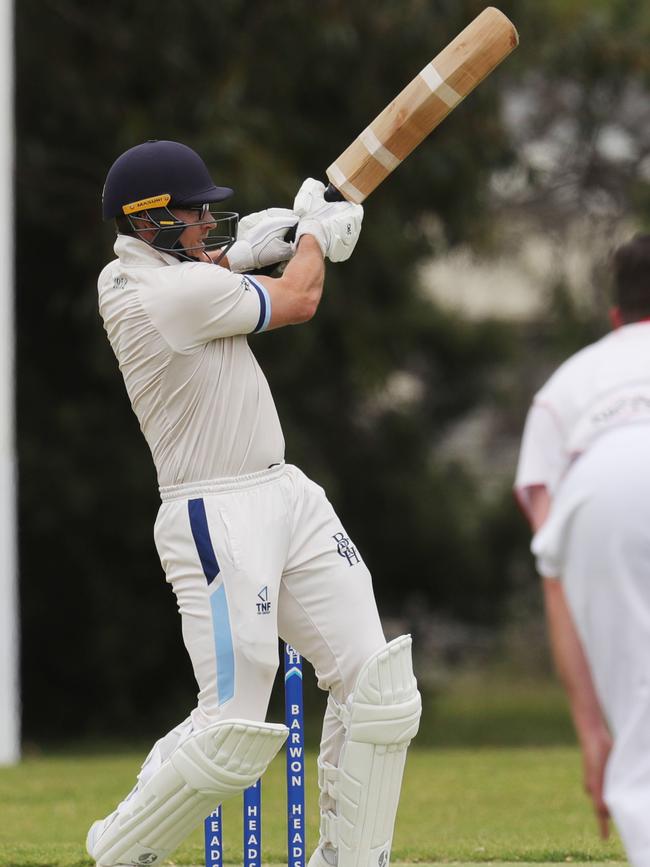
x=331 y=194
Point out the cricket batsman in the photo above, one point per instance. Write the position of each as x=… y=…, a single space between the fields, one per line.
x=236 y=523
x=583 y=480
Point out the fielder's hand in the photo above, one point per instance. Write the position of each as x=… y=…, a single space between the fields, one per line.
x=596 y=748
x=260 y=240
x=335 y=225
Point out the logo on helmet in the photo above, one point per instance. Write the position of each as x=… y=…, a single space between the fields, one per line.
x=152 y=202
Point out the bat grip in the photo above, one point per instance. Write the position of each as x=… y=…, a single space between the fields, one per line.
x=331 y=194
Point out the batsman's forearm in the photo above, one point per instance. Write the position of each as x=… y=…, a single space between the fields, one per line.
x=295 y=295
x=305 y=273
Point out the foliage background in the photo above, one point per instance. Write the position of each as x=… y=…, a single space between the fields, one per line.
x=269 y=93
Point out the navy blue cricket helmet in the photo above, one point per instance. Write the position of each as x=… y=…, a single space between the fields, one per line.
x=146 y=182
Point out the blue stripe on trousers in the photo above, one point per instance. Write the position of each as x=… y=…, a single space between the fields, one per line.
x=218 y=602
x=201 y=533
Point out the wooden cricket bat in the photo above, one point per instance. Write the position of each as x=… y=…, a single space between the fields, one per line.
x=421 y=106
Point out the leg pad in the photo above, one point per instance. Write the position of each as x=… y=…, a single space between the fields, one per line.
x=210 y=766
x=381 y=717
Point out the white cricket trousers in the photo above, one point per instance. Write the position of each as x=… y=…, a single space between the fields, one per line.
x=253 y=558
x=597 y=539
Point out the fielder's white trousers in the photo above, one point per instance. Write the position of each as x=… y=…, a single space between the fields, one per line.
x=597 y=540
x=250 y=559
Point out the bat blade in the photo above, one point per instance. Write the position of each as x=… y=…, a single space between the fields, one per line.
x=423 y=104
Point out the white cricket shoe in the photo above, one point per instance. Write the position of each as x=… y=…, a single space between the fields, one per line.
x=94 y=833
x=100 y=825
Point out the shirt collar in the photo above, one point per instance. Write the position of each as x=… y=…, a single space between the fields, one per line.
x=135 y=252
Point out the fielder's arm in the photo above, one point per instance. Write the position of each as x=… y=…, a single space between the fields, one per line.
x=575 y=674
x=538 y=505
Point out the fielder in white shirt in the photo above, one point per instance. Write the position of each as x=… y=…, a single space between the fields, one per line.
x=583 y=480
x=237 y=524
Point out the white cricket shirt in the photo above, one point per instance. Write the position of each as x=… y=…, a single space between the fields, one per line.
x=178 y=330
x=600 y=388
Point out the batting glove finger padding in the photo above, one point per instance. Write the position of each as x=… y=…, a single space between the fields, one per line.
x=335 y=225
x=310 y=197
x=337 y=231
x=261 y=240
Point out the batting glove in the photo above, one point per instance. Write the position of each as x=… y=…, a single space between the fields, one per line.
x=335 y=225
x=260 y=240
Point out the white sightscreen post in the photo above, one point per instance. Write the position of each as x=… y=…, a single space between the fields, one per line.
x=9 y=690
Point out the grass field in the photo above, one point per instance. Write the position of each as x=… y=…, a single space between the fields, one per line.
x=495 y=778
x=484 y=804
